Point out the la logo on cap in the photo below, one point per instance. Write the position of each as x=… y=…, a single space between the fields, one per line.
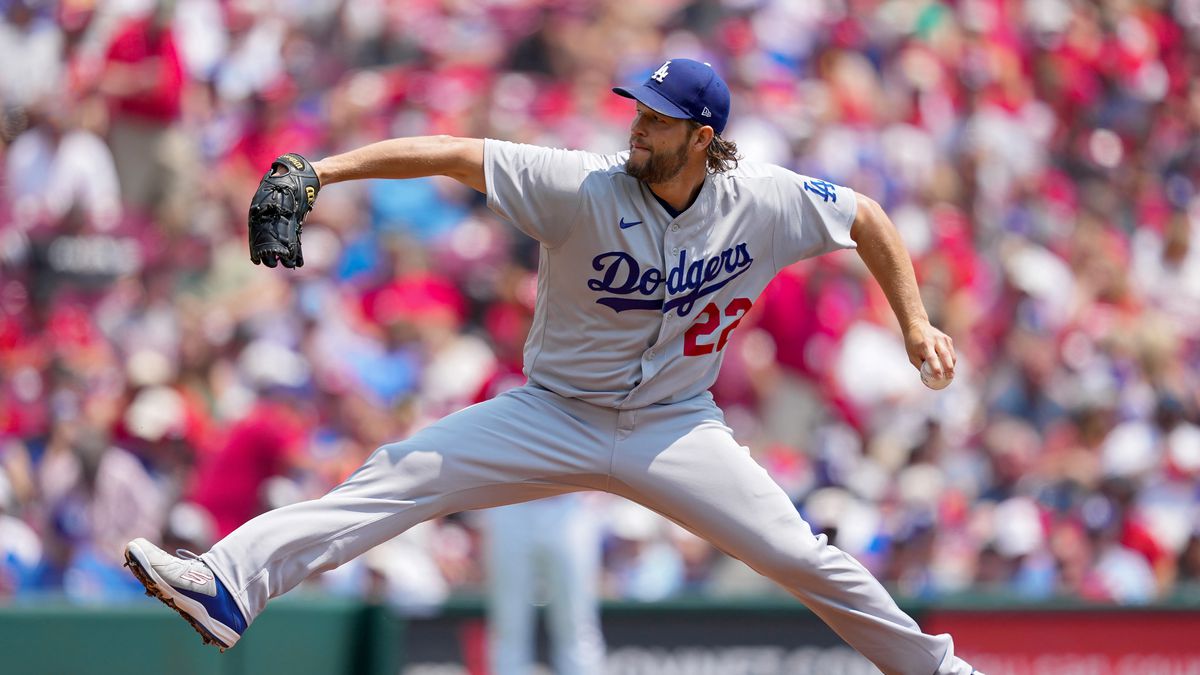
x=660 y=74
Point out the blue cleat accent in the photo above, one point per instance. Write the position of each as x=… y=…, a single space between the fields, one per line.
x=222 y=608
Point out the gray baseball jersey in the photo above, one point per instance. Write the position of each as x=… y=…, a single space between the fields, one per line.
x=635 y=306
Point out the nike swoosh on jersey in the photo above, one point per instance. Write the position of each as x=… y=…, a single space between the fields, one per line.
x=625 y=225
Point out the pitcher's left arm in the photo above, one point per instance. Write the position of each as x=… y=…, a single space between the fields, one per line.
x=880 y=247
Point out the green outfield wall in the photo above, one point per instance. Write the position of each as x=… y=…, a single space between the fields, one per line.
x=774 y=636
x=296 y=637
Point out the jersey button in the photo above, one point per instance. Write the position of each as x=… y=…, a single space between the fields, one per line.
x=649 y=356
x=674 y=251
x=675 y=227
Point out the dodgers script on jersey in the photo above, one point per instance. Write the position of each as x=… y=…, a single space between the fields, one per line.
x=635 y=307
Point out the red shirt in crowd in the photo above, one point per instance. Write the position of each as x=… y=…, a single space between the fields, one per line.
x=140 y=43
x=261 y=445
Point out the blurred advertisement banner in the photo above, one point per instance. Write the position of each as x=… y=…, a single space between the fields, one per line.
x=1070 y=642
x=651 y=639
x=738 y=639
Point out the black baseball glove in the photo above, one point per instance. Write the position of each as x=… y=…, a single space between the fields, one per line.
x=284 y=197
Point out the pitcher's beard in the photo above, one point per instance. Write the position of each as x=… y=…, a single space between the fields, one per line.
x=659 y=167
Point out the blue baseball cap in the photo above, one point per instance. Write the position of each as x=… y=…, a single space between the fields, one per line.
x=684 y=89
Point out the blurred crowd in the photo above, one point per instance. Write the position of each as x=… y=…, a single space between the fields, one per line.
x=1041 y=159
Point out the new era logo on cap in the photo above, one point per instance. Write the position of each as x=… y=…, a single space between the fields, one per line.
x=684 y=89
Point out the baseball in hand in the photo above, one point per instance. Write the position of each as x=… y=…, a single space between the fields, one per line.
x=933 y=382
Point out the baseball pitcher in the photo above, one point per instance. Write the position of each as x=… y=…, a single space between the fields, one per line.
x=650 y=258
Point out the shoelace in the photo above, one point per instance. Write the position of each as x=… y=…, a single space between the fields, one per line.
x=186 y=554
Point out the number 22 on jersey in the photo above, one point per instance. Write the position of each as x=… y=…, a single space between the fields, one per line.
x=696 y=341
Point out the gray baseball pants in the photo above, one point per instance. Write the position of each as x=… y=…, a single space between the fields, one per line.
x=678 y=459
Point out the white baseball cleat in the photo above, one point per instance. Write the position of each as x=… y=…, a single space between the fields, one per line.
x=188 y=586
